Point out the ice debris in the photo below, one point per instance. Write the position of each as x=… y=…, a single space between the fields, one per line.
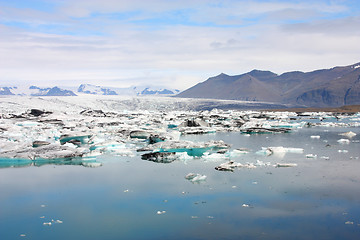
x=231 y=166
x=343 y=141
x=160 y=212
x=285 y=164
x=192 y=177
x=349 y=134
x=66 y=131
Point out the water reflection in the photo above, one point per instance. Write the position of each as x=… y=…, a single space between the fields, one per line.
x=317 y=199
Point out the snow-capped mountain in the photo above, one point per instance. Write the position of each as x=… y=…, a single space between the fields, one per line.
x=149 y=91
x=100 y=90
x=35 y=91
x=138 y=90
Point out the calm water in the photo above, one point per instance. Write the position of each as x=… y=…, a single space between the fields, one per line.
x=318 y=199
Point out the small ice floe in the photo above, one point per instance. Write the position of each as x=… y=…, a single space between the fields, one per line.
x=245 y=205
x=315 y=137
x=42 y=217
x=47 y=223
x=211 y=217
x=349 y=134
x=261 y=163
x=343 y=151
x=160 y=212
x=160 y=157
x=91 y=164
x=343 y=141
x=311 y=155
x=349 y=223
x=325 y=157
x=192 y=177
x=279 y=151
x=214 y=156
x=22 y=235
x=229 y=166
x=127 y=190
x=194 y=217
x=58 y=221
x=239 y=151
x=42 y=205
x=233 y=186
x=285 y=165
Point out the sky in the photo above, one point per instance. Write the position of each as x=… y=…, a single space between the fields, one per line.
x=170 y=43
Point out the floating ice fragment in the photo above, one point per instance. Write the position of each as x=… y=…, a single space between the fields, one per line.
x=245 y=205
x=127 y=190
x=160 y=212
x=315 y=137
x=194 y=217
x=286 y=165
x=239 y=151
x=92 y=164
x=349 y=223
x=228 y=166
x=47 y=223
x=42 y=205
x=343 y=141
x=42 y=217
x=343 y=151
x=325 y=157
x=58 y=221
x=311 y=155
x=160 y=157
x=349 y=134
x=233 y=186
x=195 y=177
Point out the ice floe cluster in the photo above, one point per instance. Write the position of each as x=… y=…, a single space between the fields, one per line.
x=41 y=131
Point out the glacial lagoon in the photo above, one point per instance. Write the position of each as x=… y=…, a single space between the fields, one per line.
x=122 y=196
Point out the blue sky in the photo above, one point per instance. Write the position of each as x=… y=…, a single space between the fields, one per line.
x=170 y=43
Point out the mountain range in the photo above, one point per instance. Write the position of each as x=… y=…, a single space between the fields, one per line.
x=321 y=88
x=84 y=89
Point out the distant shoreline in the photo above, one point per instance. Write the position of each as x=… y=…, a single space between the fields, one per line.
x=343 y=109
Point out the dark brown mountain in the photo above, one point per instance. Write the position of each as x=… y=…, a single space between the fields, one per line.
x=322 y=88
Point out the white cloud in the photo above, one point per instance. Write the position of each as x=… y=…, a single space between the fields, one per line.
x=177 y=55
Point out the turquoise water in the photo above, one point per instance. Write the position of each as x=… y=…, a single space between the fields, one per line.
x=318 y=199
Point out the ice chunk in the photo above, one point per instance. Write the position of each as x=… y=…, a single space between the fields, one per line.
x=191 y=148
x=139 y=134
x=311 y=155
x=286 y=165
x=76 y=139
x=160 y=157
x=315 y=137
x=40 y=143
x=348 y=134
x=239 y=151
x=195 y=177
x=228 y=166
x=160 y=212
x=343 y=141
x=92 y=164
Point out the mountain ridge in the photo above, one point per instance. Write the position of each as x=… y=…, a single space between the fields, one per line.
x=336 y=86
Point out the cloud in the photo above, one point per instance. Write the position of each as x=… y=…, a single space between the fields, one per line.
x=126 y=42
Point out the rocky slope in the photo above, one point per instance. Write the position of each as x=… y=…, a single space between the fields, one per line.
x=328 y=87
